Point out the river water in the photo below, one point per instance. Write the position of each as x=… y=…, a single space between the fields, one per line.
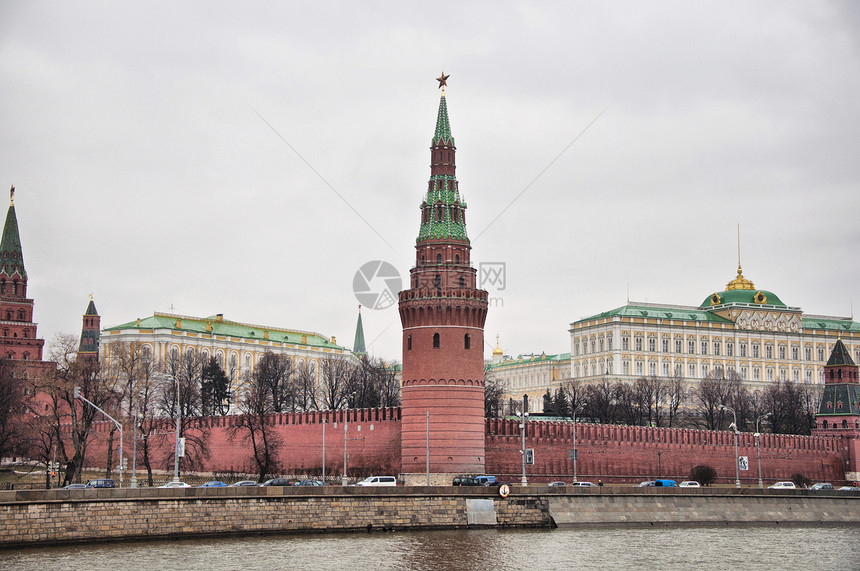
x=777 y=547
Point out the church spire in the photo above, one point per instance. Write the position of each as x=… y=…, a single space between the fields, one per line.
x=11 y=256
x=358 y=345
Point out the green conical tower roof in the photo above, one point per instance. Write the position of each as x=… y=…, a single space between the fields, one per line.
x=358 y=344
x=443 y=210
x=11 y=257
x=840 y=355
x=91 y=308
x=443 y=136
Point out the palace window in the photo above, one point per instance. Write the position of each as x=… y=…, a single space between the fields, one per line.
x=638 y=343
x=692 y=370
x=625 y=343
x=601 y=344
x=652 y=369
x=665 y=369
x=679 y=370
x=768 y=351
x=576 y=347
x=691 y=346
x=678 y=345
x=593 y=346
x=625 y=367
x=652 y=344
x=807 y=353
x=755 y=351
x=795 y=352
x=704 y=346
x=782 y=352
x=705 y=369
x=743 y=372
x=783 y=375
x=665 y=344
x=743 y=347
x=821 y=353
x=809 y=376
x=730 y=349
x=640 y=368
x=795 y=376
x=756 y=374
x=609 y=341
x=717 y=348
x=769 y=374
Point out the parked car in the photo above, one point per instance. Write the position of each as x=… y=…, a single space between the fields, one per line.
x=583 y=484
x=486 y=480
x=101 y=483
x=277 y=482
x=310 y=483
x=74 y=487
x=665 y=483
x=782 y=486
x=244 y=483
x=213 y=484
x=558 y=484
x=175 y=485
x=689 y=484
x=821 y=486
x=648 y=484
x=466 y=481
x=378 y=481
x=849 y=489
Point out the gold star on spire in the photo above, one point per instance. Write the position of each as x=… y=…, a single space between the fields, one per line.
x=443 y=81
x=12 y=196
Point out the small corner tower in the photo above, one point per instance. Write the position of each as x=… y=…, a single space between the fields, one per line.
x=90 y=331
x=16 y=311
x=839 y=409
x=443 y=314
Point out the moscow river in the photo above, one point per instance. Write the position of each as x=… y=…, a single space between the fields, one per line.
x=745 y=548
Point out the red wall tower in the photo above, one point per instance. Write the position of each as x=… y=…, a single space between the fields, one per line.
x=443 y=316
x=16 y=311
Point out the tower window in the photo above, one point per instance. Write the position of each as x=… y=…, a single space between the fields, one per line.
x=457 y=259
x=438 y=258
x=462 y=282
x=408 y=342
x=435 y=340
x=467 y=342
x=437 y=281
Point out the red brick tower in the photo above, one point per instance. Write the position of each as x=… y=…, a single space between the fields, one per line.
x=443 y=316
x=839 y=409
x=18 y=335
x=90 y=331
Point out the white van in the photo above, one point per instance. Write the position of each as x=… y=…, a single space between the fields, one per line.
x=378 y=481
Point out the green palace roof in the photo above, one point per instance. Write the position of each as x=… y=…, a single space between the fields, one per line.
x=217 y=325
x=660 y=312
x=529 y=360
x=748 y=296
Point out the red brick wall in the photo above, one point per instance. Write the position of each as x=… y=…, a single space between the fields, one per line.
x=610 y=453
x=630 y=453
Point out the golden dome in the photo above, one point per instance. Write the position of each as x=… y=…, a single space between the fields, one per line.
x=497 y=352
x=740 y=282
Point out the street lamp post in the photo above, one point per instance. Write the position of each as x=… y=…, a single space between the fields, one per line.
x=178 y=429
x=524 y=415
x=325 y=420
x=734 y=427
x=576 y=410
x=758 y=447
x=77 y=394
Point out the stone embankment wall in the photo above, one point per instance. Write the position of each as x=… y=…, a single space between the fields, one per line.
x=632 y=453
x=60 y=516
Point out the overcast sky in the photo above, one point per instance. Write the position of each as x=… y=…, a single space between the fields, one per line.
x=203 y=156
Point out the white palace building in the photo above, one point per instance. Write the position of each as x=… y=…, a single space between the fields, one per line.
x=742 y=330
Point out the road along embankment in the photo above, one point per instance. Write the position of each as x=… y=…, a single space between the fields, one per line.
x=68 y=516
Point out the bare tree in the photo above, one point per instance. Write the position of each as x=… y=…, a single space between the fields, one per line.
x=273 y=374
x=254 y=427
x=574 y=392
x=601 y=401
x=674 y=398
x=186 y=372
x=494 y=395
x=59 y=384
x=12 y=427
x=306 y=387
x=335 y=371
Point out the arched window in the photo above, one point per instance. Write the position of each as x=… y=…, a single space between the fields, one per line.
x=438 y=258
x=457 y=259
x=409 y=342
x=467 y=341
x=435 y=340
